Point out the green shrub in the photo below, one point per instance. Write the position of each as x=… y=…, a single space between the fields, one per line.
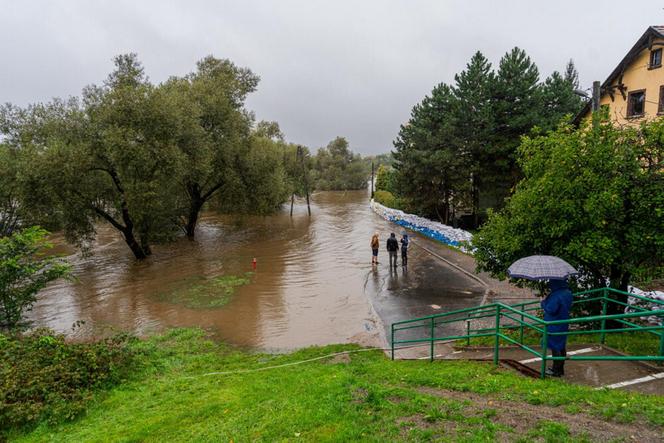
x=386 y=198
x=42 y=377
x=24 y=271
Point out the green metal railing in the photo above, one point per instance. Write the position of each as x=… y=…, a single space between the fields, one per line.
x=503 y=319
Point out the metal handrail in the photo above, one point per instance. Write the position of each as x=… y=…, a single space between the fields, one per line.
x=518 y=314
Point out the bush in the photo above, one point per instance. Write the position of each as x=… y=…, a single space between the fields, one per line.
x=42 y=377
x=386 y=198
x=24 y=271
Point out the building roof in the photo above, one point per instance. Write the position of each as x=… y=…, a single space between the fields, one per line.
x=645 y=41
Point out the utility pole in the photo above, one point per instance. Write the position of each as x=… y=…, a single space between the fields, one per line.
x=595 y=103
x=595 y=96
x=372 y=179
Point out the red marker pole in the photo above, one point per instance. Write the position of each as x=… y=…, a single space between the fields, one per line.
x=253 y=263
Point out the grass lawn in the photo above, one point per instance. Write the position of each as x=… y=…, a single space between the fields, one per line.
x=361 y=396
x=632 y=343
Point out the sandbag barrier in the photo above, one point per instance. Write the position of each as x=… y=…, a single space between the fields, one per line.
x=462 y=239
x=445 y=234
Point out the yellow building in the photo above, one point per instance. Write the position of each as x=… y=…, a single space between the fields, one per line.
x=634 y=91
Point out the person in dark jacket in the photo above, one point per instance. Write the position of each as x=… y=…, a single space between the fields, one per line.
x=392 y=248
x=556 y=306
x=404 y=250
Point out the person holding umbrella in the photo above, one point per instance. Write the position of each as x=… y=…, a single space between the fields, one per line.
x=556 y=304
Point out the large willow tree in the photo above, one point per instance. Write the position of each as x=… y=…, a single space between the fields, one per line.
x=110 y=156
x=143 y=158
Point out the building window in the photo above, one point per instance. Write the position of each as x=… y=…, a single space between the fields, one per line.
x=660 y=106
x=636 y=103
x=655 y=58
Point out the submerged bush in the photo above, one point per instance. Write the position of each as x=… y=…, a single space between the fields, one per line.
x=43 y=377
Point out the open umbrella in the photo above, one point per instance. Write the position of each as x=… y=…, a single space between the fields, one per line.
x=541 y=267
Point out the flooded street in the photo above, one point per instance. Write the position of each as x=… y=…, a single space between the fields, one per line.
x=313 y=284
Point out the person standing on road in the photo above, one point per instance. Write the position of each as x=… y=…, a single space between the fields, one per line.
x=392 y=248
x=375 y=244
x=404 y=249
x=556 y=306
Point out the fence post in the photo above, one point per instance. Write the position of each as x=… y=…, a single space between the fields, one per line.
x=661 y=346
x=521 y=327
x=392 y=341
x=545 y=346
x=467 y=331
x=602 y=335
x=496 y=348
x=432 y=335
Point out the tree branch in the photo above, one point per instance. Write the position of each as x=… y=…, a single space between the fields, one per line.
x=109 y=218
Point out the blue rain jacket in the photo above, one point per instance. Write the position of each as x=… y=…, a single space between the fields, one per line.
x=404 y=243
x=556 y=306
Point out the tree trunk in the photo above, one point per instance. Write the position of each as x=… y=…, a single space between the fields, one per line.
x=292 y=201
x=192 y=219
x=475 y=195
x=136 y=248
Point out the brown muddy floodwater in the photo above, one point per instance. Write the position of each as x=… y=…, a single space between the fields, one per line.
x=313 y=284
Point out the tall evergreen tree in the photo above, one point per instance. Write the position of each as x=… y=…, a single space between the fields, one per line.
x=517 y=110
x=474 y=123
x=459 y=146
x=558 y=100
x=571 y=74
x=427 y=158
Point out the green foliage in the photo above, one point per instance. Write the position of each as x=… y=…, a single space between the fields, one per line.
x=366 y=397
x=337 y=168
x=24 y=271
x=592 y=196
x=558 y=96
x=298 y=166
x=386 y=198
x=457 y=153
x=44 y=378
x=259 y=185
x=205 y=293
x=10 y=216
x=386 y=179
x=429 y=163
x=144 y=158
x=111 y=156
x=269 y=130
x=379 y=159
x=220 y=160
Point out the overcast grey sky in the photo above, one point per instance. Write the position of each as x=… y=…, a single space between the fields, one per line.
x=327 y=68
